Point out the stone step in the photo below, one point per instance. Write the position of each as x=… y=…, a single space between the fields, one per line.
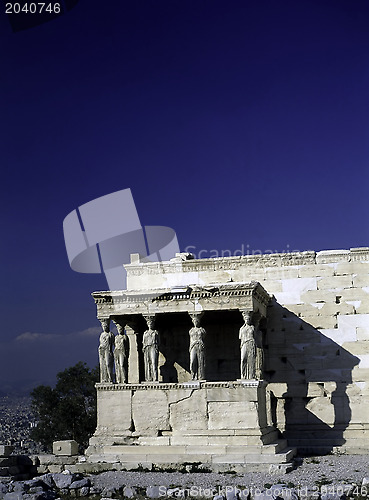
x=183 y=454
x=182 y=443
x=206 y=440
x=242 y=468
x=152 y=446
x=298 y=441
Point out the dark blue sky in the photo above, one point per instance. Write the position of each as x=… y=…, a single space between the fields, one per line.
x=238 y=123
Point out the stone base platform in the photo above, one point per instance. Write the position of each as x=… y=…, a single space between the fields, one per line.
x=219 y=426
x=212 y=457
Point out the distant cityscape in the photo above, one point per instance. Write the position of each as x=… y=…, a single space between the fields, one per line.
x=16 y=422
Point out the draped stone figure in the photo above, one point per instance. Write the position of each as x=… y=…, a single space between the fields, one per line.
x=106 y=352
x=150 y=347
x=121 y=352
x=248 y=347
x=197 y=349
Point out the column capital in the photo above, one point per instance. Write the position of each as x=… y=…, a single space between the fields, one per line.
x=120 y=322
x=150 y=320
x=105 y=322
x=196 y=316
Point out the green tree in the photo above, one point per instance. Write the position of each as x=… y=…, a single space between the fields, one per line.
x=69 y=410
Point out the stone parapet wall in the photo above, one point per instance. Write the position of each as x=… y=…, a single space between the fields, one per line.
x=179 y=272
x=131 y=411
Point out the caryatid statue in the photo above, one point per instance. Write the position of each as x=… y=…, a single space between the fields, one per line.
x=197 y=348
x=150 y=347
x=106 y=352
x=121 y=352
x=248 y=347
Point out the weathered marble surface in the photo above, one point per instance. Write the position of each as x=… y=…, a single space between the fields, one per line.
x=316 y=356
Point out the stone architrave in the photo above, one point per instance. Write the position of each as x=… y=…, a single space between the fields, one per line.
x=248 y=347
x=197 y=348
x=106 y=352
x=121 y=352
x=150 y=347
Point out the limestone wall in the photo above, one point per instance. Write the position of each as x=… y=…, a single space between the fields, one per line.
x=317 y=338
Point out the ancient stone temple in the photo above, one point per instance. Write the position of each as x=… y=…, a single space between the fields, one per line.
x=233 y=362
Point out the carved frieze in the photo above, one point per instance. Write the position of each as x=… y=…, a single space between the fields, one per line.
x=222 y=297
x=152 y=386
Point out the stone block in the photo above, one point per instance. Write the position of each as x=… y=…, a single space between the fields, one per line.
x=331 y=309
x=361 y=280
x=66 y=447
x=299 y=285
x=189 y=413
x=54 y=469
x=272 y=286
x=178 y=439
x=288 y=298
x=362 y=333
x=343 y=268
x=353 y=294
x=361 y=306
x=306 y=309
x=320 y=322
x=335 y=283
x=91 y=468
x=278 y=389
x=48 y=459
x=315 y=296
x=150 y=412
x=175 y=395
x=232 y=415
x=231 y=394
x=114 y=410
x=154 y=440
x=281 y=273
x=42 y=469
x=321 y=408
x=353 y=321
x=332 y=256
x=317 y=270
x=358 y=348
x=294 y=290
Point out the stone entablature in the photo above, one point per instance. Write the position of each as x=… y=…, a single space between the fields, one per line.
x=194 y=298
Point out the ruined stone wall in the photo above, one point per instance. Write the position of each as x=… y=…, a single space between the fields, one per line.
x=317 y=338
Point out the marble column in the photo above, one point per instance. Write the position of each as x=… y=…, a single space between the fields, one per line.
x=134 y=355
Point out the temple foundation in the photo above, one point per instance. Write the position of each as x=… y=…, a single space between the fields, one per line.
x=221 y=425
